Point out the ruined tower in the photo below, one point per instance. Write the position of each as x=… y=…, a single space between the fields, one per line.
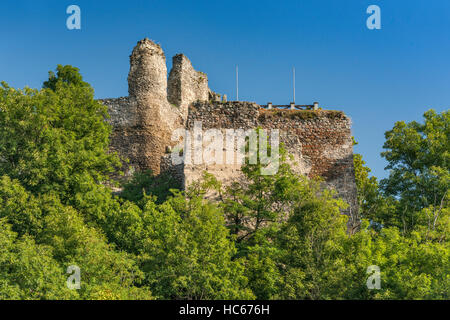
x=185 y=84
x=144 y=121
x=320 y=141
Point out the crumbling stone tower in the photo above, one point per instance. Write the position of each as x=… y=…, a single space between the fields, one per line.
x=143 y=123
x=185 y=84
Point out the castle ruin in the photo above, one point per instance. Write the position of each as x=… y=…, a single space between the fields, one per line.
x=143 y=123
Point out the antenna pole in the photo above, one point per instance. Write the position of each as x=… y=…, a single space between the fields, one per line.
x=237 y=83
x=293 y=76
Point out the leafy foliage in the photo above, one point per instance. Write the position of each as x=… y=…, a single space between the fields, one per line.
x=187 y=253
x=279 y=236
x=145 y=183
x=418 y=158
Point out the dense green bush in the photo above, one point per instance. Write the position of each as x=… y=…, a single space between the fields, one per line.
x=274 y=237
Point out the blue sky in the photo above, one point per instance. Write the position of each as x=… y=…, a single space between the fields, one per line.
x=377 y=77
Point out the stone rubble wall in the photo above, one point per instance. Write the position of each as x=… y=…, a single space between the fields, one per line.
x=320 y=141
x=143 y=124
x=144 y=121
x=186 y=85
x=148 y=71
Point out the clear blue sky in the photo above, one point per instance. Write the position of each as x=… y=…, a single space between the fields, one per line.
x=376 y=76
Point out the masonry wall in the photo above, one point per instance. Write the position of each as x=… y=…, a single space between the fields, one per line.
x=143 y=124
x=185 y=84
x=320 y=141
x=144 y=121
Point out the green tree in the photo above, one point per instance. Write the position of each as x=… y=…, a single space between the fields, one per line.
x=64 y=74
x=55 y=139
x=373 y=205
x=145 y=183
x=269 y=236
x=419 y=162
x=411 y=267
x=28 y=270
x=54 y=164
x=282 y=223
x=188 y=255
x=311 y=241
x=61 y=230
x=256 y=203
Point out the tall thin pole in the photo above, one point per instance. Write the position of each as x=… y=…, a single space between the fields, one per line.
x=237 y=83
x=293 y=75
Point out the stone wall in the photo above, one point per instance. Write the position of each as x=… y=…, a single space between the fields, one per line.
x=143 y=124
x=186 y=85
x=320 y=141
x=144 y=121
x=148 y=71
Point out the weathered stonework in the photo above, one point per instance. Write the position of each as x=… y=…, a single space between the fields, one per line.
x=320 y=141
x=143 y=124
x=144 y=121
x=185 y=84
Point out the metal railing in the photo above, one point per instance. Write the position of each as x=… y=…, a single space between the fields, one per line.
x=291 y=106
